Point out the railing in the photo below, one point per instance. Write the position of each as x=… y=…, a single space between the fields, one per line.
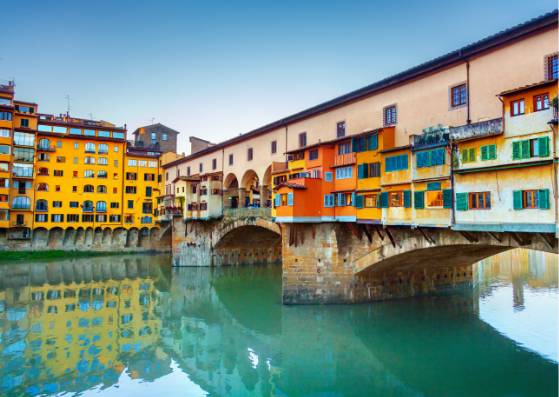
x=345 y=159
x=477 y=130
x=25 y=173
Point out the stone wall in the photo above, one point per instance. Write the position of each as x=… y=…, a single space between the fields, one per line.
x=88 y=239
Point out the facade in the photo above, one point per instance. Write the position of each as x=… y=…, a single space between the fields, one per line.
x=156 y=136
x=66 y=172
x=408 y=149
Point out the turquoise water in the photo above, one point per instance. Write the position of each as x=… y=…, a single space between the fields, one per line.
x=132 y=326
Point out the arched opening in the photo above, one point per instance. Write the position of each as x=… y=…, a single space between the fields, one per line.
x=266 y=189
x=231 y=191
x=143 y=237
x=250 y=189
x=248 y=244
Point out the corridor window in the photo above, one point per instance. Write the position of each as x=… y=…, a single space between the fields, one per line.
x=340 y=129
x=390 y=115
x=552 y=67
x=249 y=154
x=231 y=159
x=479 y=200
x=517 y=107
x=302 y=139
x=541 y=102
x=214 y=164
x=344 y=148
x=458 y=95
x=274 y=147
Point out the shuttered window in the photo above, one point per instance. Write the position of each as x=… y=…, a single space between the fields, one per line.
x=430 y=158
x=396 y=163
x=328 y=200
x=531 y=199
x=468 y=155
x=488 y=152
x=528 y=148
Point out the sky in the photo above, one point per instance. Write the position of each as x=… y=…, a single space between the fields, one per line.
x=216 y=69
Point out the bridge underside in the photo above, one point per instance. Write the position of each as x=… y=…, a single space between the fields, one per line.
x=348 y=263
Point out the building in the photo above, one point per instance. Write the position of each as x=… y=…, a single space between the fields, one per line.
x=67 y=172
x=156 y=136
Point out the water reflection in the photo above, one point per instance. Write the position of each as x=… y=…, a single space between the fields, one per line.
x=131 y=326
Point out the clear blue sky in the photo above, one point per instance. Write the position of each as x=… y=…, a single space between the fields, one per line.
x=215 y=69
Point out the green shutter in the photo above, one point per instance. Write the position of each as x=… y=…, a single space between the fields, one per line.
x=517 y=199
x=543 y=146
x=359 y=201
x=461 y=201
x=373 y=142
x=472 y=154
x=484 y=153
x=354 y=145
x=419 y=200
x=359 y=171
x=384 y=200
x=407 y=198
x=492 y=152
x=516 y=155
x=543 y=199
x=464 y=155
x=525 y=152
x=290 y=199
x=447 y=198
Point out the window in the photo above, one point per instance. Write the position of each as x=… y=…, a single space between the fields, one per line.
x=488 y=152
x=88 y=174
x=396 y=163
x=24 y=123
x=344 y=148
x=132 y=163
x=103 y=148
x=41 y=205
x=468 y=155
x=368 y=170
x=60 y=159
x=75 y=131
x=214 y=164
x=130 y=204
x=104 y=134
x=115 y=204
x=5 y=149
x=552 y=67
x=340 y=129
x=302 y=139
x=344 y=199
x=87 y=206
x=328 y=176
x=154 y=137
x=430 y=158
x=43 y=157
x=88 y=189
x=44 y=144
x=4 y=133
x=89 y=147
x=74 y=204
x=396 y=199
x=131 y=176
x=164 y=136
x=89 y=160
x=58 y=173
x=102 y=161
x=87 y=218
x=101 y=206
x=149 y=177
x=231 y=159
x=365 y=143
x=101 y=189
x=57 y=204
x=370 y=201
x=541 y=102
x=313 y=154
x=390 y=115
x=434 y=199
x=24 y=139
x=148 y=191
x=152 y=164
x=249 y=154
x=201 y=167
x=329 y=200
x=72 y=218
x=531 y=199
x=59 y=130
x=5 y=116
x=118 y=135
x=344 y=172
x=274 y=147
x=479 y=200
x=458 y=95
x=102 y=174
x=517 y=107
x=147 y=208
x=21 y=203
x=527 y=148
x=131 y=189
x=42 y=187
x=41 y=217
x=22 y=170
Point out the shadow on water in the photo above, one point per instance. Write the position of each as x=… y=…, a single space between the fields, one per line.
x=93 y=324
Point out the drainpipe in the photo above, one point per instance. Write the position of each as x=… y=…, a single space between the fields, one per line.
x=468 y=119
x=222 y=180
x=285 y=151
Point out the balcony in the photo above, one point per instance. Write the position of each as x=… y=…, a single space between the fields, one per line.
x=477 y=130
x=344 y=159
x=22 y=173
x=46 y=148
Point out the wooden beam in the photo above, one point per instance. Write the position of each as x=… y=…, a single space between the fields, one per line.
x=367 y=233
x=469 y=237
x=546 y=241
x=391 y=237
x=379 y=233
x=496 y=237
x=426 y=236
x=518 y=239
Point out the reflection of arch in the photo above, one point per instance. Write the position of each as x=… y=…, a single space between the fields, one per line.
x=119 y=237
x=231 y=181
x=40 y=236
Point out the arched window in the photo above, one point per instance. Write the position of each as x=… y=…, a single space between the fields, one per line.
x=101 y=189
x=88 y=206
x=88 y=189
x=44 y=144
x=101 y=206
x=21 y=203
x=42 y=205
x=42 y=187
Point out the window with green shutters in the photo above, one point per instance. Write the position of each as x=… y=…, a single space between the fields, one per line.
x=359 y=201
x=447 y=198
x=407 y=198
x=461 y=201
x=468 y=155
x=419 y=199
x=396 y=163
x=430 y=158
x=531 y=199
x=383 y=200
x=368 y=170
x=528 y=148
x=488 y=152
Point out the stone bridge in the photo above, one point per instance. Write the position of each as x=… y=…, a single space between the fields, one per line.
x=346 y=262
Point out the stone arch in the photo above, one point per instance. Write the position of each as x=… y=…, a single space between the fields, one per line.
x=250 y=189
x=55 y=237
x=107 y=237
x=154 y=233
x=231 y=191
x=143 y=237
x=132 y=237
x=69 y=237
x=88 y=237
x=238 y=223
x=79 y=239
x=119 y=237
x=97 y=236
x=40 y=237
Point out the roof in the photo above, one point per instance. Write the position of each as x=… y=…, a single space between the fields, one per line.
x=395 y=149
x=539 y=84
x=291 y=186
x=136 y=131
x=534 y=25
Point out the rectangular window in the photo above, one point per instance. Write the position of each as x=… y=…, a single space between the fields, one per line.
x=528 y=148
x=274 y=147
x=344 y=172
x=458 y=95
x=430 y=158
x=313 y=154
x=130 y=204
x=4 y=133
x=302 y=139
x=552 y=69
x=517 y=107
x=130 y=189
x=479 y=200
x=541 y=102
x=390 y=115
x=396 y=163
x=231 y=159
x=201 y=167
x=531 y=199
x=340 y=129
x=344 y=148
x=488 y=152
x=24 y=139
x=434 y=199
x=5 y=116
x=24 y=123
x=249 y=154
x=396 y=199
x=328 y=176
x=468 y=155
x=214 y=164
x=370 y=201
x=72 y=218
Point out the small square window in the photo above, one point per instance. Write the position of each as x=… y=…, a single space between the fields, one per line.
x=274 y=147
x=458 y=95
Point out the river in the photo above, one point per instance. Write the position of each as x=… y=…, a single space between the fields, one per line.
x=134 y=326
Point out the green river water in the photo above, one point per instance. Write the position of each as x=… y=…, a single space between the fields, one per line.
x=134 y=326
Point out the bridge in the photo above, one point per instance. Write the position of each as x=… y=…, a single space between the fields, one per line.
x=346 y=262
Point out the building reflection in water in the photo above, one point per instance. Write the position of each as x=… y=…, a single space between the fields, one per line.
x=79 y=326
